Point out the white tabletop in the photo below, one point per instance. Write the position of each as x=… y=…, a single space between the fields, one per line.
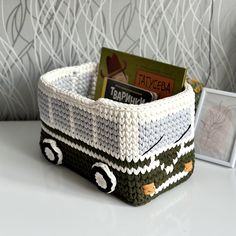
x=38 y=198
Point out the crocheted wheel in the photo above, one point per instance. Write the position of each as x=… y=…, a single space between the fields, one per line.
x=51 y=151
x=103 y=177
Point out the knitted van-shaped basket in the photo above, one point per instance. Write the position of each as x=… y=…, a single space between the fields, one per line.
x=134 y=151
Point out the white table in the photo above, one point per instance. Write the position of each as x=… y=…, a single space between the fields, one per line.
x=38 y=198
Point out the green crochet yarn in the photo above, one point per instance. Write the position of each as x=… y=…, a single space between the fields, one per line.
x=129 y=187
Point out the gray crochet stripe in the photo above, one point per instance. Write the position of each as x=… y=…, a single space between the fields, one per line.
x=71 y=84
x=83 y=123
x=43 y=102
x=108 y=134
x=170 y=128
x=62 y=112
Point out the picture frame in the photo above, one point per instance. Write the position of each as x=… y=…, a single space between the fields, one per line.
x=215 y=127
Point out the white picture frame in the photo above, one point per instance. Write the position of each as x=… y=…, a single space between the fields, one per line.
x=215 y=127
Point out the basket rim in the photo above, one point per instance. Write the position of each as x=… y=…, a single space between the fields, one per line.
x=90 y=67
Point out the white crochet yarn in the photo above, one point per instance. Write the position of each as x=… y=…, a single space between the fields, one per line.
x=126 y=132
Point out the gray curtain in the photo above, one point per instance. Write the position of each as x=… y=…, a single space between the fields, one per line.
x=38 y=36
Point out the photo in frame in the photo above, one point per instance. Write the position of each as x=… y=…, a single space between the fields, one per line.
x=215 y=127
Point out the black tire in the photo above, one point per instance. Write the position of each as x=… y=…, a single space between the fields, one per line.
x=51 y=151
x=103 y=177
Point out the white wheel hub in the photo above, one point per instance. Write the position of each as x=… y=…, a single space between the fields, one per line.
x=49 y=154
x=100 y=180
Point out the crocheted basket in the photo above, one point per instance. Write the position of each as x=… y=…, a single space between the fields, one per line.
x=134 y=151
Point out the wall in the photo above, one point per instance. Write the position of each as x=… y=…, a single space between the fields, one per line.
x=38 y=36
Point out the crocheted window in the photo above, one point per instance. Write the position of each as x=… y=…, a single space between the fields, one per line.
x=168 y=130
